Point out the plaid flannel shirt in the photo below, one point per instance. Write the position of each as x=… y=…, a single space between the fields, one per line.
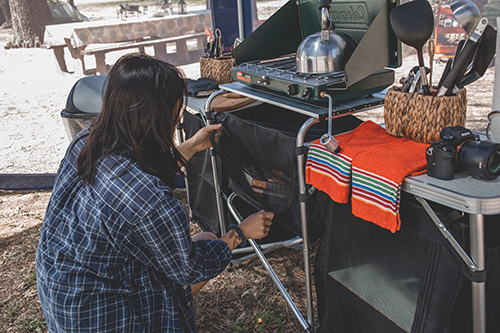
x=117 y=256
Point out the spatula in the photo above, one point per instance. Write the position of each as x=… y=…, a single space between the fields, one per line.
x=482 y=59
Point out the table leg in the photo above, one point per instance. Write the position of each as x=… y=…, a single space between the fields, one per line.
x=161 y=51
x=182 y=52
x=61 y=61
x=303 y=218
x=476 y=223
x=213 y=159
x=201 y=42
x=100 y=62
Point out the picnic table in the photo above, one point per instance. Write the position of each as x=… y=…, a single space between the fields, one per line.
x=100 y=37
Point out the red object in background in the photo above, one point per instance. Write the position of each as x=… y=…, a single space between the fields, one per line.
x=445 y=50
x=209 y=33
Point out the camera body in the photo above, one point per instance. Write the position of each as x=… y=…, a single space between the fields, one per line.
x=459 y=149
x=441 y=160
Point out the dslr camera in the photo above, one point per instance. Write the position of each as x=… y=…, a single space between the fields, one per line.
x=458 y=150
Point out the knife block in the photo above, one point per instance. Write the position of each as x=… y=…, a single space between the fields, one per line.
x=420 y=117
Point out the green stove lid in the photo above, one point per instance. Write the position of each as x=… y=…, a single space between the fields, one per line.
x=366 y=21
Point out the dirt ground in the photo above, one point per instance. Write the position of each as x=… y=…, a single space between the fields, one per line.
x=32 y=140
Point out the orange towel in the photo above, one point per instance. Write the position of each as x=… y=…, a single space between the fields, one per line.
x=373 y=164
x=331 y=173
x=377 y=176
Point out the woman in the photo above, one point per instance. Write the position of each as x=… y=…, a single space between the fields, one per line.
x=115 y=252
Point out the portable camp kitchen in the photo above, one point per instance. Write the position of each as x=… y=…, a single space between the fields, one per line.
x=265 y=72
x=472 y=196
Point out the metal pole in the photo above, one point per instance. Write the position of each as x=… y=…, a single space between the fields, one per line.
x=213 y=159
x=447 y=235
x=303 y=217
x=288 y=243
x=268 y=268
x=476 y=223
x=180 y=139
x=241 y=20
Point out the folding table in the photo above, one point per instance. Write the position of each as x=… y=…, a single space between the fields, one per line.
x=476 y=197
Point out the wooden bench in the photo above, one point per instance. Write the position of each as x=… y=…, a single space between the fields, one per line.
x=159 y=45
x=59 y=54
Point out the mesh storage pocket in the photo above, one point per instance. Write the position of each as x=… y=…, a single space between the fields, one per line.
x=370 y=280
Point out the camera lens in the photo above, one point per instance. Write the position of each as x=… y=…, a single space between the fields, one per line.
x=480 y=158
x=494 y=163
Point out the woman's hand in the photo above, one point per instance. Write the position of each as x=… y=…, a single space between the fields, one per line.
x=257 y=225
x=200 y=141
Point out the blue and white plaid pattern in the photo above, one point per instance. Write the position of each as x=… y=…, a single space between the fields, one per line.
x=117 y=256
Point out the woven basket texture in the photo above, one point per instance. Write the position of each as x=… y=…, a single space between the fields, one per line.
x=420 y=117
x=217 y=69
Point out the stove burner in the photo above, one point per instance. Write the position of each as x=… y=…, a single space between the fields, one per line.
x=285 y=68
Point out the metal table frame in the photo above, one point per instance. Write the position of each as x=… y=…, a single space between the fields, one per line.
x=316 y=112
x=476 y=197
x=473 y=196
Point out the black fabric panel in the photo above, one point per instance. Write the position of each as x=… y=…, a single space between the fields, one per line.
x=258 y=140
x=418 y=256
x=461 y=320
x=289 y=123
x=249 y=151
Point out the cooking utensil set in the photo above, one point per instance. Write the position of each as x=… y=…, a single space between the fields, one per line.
x=413 y=24
x=214 y=48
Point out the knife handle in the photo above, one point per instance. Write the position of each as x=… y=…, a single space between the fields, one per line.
x=445 y=71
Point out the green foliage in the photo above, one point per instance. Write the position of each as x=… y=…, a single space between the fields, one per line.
x=239 y=327
x=264 y=319
x=31 y=324
x=31 y=278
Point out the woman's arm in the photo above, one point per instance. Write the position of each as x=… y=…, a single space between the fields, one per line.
x=199 y=142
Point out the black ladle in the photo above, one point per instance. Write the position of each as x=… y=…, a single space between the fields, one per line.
x=413 y=24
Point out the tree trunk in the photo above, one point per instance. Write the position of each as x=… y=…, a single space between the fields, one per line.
x=29 y=18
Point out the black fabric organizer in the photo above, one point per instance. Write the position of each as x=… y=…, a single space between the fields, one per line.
x=259 y=139
x=370 y=280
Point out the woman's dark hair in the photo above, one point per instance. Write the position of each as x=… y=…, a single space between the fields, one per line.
x=141 y=108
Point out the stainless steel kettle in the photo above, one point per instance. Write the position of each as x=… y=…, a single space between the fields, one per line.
x=326 y=51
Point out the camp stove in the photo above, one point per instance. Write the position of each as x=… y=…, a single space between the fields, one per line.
x=266 y=58
x=281 y=74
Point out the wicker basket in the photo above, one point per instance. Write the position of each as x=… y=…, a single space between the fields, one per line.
x=217 y=69
x=420 y=117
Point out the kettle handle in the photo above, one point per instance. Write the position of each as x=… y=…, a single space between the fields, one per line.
x=324 y=4
x=326 y=23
